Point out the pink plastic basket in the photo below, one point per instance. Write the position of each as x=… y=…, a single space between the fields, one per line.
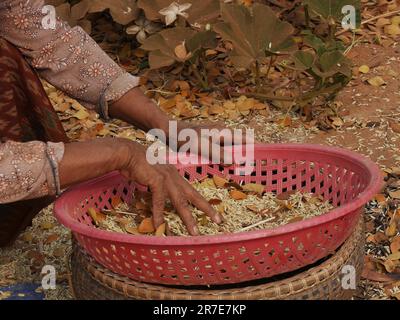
x=342 y=177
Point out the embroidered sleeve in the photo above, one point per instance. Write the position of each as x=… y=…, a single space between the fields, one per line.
x=29 y=170
x=66 y=57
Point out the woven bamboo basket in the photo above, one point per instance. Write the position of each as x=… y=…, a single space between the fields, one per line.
x=322 y=281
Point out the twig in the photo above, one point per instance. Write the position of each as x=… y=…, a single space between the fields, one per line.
x=169 y=93
x=276 y=3
x=307 y=16
x=384 y=15
x=257 y=224
x=258 y=77
x=271 y=62
x=198 y=76
x=303 y=98
x=120 y=212
x=387 y=115
x=263 y=96
x=353 y=43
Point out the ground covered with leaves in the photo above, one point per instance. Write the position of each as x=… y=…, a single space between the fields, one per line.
x=248 y=91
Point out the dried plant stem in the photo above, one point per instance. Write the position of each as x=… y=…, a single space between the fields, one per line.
x=384 y=15
x=263 y=96
x=166 y=93
x=258 y=76
x=204 y=73
x=119 y=212
x=332 y=30
x=387 y=115
x=352 y=45
x=303 y=98
x=271 y=62
x=199 y=77
x=307 y=16
x=256 y=224
x=276 y=3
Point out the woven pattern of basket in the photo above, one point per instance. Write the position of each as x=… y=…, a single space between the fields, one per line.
x=323 y=281
x=342 y=177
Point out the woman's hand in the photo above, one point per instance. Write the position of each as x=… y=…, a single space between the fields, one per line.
x=165 y=183
x=212 y=137
x=83 y=161
x=135 y=108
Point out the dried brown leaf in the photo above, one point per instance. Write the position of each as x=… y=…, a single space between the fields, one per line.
x=116 y=201
x=131 y=230
x=296 y=219
x=146 y=226
x=237 y=195
x=96 y=215
x=51 y=238
x=46 y=225
x=391 y=230
x=395 y=194
x=285 y=195
x=215 y=202
x=395 y=245
x=394 y=126
x=376 y=276
x=253 y=208
x=219 y=181
x=254 y=187
x=160 y=232
x=233 y=185
x=380 y=198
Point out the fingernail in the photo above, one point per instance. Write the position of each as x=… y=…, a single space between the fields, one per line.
x=218 y=219
x=196 y=230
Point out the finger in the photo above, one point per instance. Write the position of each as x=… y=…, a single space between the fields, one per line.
x=182 y=207
x=158 y=202
x=202 y=204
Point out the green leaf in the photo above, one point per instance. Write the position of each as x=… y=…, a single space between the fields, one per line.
x=314 y=42
x=333 y=63
x=332 y=8
x=303 y=60
x=255 y=33
x=329 y=60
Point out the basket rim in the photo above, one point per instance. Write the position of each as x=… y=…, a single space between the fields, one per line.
x=372 y=188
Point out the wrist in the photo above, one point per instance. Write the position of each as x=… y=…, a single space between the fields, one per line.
x=122 y=153
x=128 y=154
x=161 y=122
x=136 y=108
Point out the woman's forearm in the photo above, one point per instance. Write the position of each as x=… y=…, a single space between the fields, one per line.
x=87 y=160
x=135 y=108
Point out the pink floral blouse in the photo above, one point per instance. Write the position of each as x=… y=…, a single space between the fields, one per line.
x=69 y=59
